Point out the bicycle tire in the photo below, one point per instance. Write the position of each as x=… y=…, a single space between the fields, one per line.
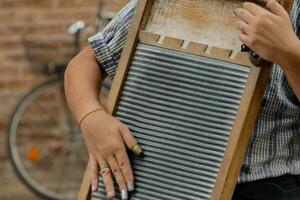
x=13 y=153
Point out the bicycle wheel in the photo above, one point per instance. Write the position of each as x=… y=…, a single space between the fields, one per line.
x=45 y=146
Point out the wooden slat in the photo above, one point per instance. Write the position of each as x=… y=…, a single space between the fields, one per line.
x=194 y=48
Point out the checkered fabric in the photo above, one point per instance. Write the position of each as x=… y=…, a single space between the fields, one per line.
x=274 y=148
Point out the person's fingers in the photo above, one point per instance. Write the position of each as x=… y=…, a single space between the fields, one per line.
x=130 y=141
x=243 y=27
x=275 y=8
x=124 y=164
x=94 y=171
x=127 y=136
x=244 y=15
x=107 y=179
x=253 y=8
x=245 y=40
x=116 y=171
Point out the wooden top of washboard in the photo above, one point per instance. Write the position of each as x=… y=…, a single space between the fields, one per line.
x=181 y=56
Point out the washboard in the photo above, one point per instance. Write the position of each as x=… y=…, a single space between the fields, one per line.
x=189 y=96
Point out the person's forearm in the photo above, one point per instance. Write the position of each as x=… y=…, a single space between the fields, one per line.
x=82 y=83
x=290 y=63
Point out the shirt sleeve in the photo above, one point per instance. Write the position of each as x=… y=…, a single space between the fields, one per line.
x=108 y=44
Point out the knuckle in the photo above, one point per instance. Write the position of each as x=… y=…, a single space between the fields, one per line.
x=116 y=147
x=241 y=12
x=94 y=168
x=262 y=17
x=116 y=172
x=124 y=165
x=240 y=26
x=106 y=154
x=110 y=148
x=268 y=21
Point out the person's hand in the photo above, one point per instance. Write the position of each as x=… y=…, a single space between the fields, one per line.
x=106 y=138
x=268 y=32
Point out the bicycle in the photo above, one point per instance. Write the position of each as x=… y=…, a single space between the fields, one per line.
x=36 y=152
x=45 y=147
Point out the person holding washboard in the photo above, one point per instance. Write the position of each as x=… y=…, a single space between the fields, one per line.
x=271 y=169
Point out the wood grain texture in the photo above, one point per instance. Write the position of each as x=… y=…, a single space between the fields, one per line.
x=194 y=48
x=202 y=21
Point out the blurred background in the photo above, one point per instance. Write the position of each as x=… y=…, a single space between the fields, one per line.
x=42 y=153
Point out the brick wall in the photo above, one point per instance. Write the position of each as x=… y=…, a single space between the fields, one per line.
x=32 y=33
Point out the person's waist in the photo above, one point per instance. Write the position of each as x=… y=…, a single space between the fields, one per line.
x=280 y=180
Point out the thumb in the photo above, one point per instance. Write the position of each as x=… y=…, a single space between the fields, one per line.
x=274 y=7
x=130 y=141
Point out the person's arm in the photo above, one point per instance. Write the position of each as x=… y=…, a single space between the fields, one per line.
x=104 y=135
x=290 y=63
x=83 y=80
x=270 y=34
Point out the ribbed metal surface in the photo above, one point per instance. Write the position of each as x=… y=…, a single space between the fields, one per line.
x=181 y=109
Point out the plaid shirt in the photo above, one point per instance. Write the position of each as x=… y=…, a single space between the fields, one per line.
x=274 y=148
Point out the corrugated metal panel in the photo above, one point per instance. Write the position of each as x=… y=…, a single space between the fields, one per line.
x=181 y=108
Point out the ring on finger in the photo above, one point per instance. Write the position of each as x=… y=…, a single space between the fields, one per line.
x=103 y=167
x=136 y=149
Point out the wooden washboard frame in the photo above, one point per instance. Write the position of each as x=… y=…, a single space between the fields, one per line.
x=145 y=29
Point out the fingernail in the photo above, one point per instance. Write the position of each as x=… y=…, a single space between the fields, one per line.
x=130 y=186
x=124 y=194
x=93 y=188
x=109 y=194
